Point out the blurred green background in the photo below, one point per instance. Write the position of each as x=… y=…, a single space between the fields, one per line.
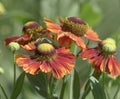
x=102 y=15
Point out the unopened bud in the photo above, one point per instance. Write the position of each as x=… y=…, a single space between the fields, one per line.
x=14 y=46
x=1 y=71
x=109 y=45
x=2 y=9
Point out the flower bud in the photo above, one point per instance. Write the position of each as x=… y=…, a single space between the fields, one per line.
x=1 y=71
x=2 y=9
x=109 y=45
x=75 y=25
x=14 y=46
x=32 y=27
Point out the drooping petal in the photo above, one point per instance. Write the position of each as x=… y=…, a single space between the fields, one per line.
x=89 y=53
x=90 y=34
x=16 y=39
x=99 y=63
x=65 y=41
x=57 y=70
x=51 y=26
x=32 y=68
x=45 y=67
x=29 y=47
x=63 y=63
x=113 y=66
x=78 y=40
x=28 y=65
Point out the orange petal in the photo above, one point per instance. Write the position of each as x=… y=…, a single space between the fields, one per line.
x=65 y=41
x=80 y=42
x=27 y=64
x=22 y=59
x=16 y=39
x=113 y=66
x=90 y=34
x=29 y=47
x=51 y=26
x=45 y=66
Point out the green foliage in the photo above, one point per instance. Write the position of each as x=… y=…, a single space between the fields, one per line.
x=18 y=86
x=97 y=89
x=39 y=83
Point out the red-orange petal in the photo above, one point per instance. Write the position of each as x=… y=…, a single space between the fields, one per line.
x=16 y=39
x=79 y=41
x=51 y=26
x=27 y=64
x=29 y=47
x=45 y=66
x=113 y=66
x=90 y=34
x=63 y=63
x=89 y=53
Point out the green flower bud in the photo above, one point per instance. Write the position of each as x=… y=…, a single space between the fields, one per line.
x=109 y=45
x=14 y=46
x=1 y=71
x=2 y=9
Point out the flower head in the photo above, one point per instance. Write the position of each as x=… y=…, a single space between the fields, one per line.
x=73 y=29
x=47 y=59
x=31 y=32
x=103 y=57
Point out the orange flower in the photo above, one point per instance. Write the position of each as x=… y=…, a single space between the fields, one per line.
x=31 y=32
x=102 y=57
x=47 y=59
x=72 y=28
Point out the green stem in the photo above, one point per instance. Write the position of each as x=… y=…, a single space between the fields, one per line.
x=48 y=88
x=3 y=91
x=63 y=89
x=117 y=91
x=14 y=64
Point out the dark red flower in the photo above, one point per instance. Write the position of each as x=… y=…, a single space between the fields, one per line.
x=47 y=59
x=103 y=57
x=31 y=32
x=72 y=28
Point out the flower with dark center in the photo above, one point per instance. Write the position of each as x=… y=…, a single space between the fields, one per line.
x=31 y=32
x=72 y=29
x=103 y=57
x=47 y=59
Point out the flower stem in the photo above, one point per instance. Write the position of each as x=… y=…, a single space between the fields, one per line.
x=63 y=89
x=116 y=93
x=48 y=87
x=14 y=65
x=3 y=91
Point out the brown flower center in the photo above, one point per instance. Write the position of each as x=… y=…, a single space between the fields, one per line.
x=75 y=25
x=32 y=27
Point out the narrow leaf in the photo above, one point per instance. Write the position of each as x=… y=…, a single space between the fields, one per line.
x=97 y=90
x=39 y=83
x=76 y=86
x=18 y=86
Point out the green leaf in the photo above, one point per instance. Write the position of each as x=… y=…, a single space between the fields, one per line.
x=97 y=90
x=76 y=86
x=39 y=83
x=18 y=86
